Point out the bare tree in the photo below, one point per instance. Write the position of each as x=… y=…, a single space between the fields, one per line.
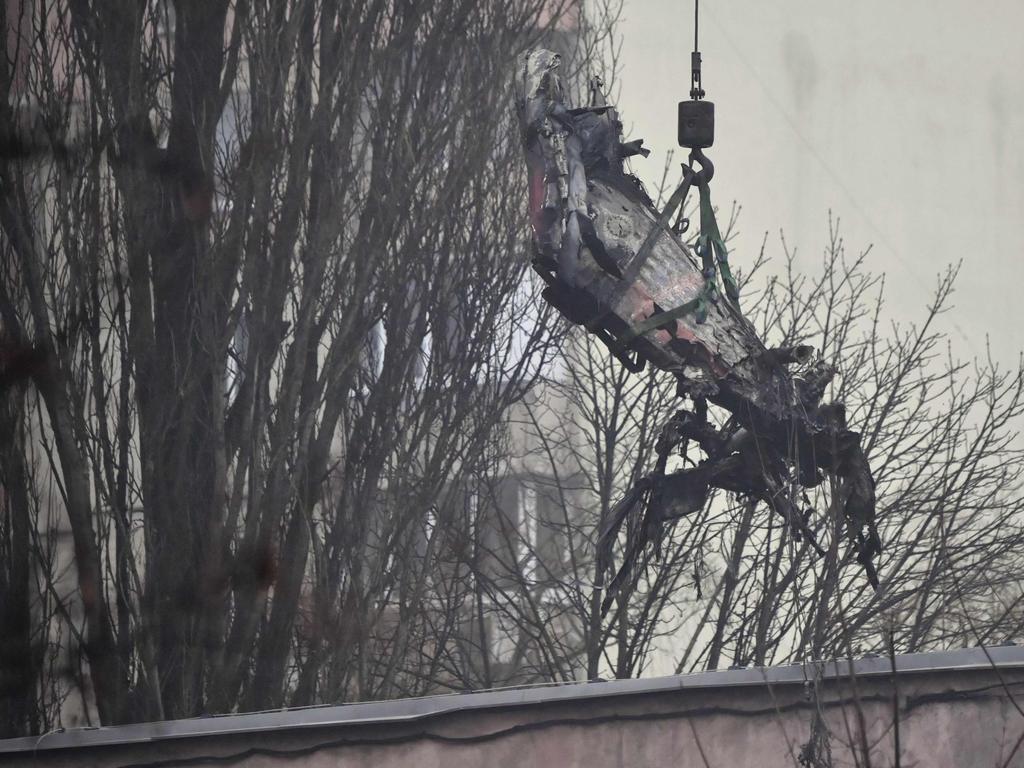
x=940 y=434
x=268 y=358
x=273 y=308
x=733 y=586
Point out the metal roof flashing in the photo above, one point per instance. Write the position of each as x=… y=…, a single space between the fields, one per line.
x=410 y=710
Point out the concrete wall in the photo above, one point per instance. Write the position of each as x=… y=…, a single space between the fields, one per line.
x=955 y=709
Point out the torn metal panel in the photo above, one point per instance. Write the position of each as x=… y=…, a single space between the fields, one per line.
x=614 y=265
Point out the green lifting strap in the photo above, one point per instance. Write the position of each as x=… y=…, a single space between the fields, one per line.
x=711 y=249
x=710 y=234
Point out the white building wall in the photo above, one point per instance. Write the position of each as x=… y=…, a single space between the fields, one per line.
x=906 y=119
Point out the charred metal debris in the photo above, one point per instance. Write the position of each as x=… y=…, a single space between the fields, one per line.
x=617 y=266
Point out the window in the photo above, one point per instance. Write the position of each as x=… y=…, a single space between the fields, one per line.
x=238 y=352
x=528 y=529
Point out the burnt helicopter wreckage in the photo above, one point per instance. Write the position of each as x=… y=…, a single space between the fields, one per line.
x=617 y=266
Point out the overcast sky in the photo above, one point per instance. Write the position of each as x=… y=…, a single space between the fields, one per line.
x=904 y=117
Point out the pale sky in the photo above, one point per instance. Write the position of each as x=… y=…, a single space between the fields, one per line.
x=905 y=117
